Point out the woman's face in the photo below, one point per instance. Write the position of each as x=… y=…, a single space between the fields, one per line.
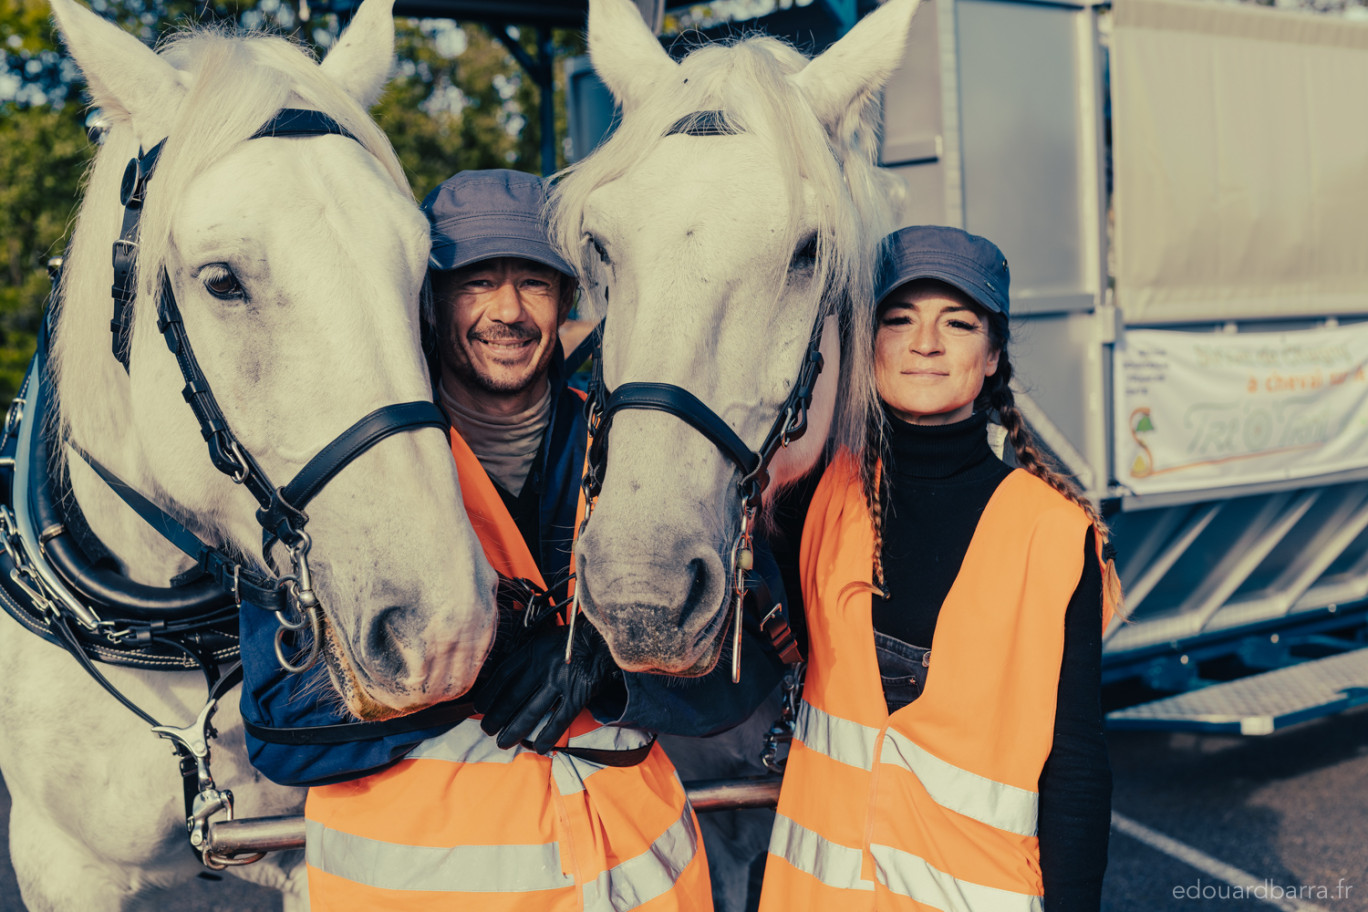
x=931 y=354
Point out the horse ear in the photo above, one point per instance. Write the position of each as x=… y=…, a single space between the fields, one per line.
x=859 y=64
x=124 y=76
x=626 y=55
x=363 y=58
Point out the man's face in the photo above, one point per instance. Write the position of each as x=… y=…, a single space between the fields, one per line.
x=498 y=321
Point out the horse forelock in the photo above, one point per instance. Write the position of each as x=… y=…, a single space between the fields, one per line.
x=743 y=86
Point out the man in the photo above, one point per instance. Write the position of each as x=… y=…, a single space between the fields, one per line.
x=583 y=815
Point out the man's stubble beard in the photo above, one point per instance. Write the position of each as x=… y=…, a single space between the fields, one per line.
x=464 y=369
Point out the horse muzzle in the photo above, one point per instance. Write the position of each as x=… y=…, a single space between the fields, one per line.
x=665 y=616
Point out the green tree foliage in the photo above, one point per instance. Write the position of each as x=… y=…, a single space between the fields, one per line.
x=460 y=101
x=43 y=151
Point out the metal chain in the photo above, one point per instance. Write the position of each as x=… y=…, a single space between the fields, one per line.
x=781 y=732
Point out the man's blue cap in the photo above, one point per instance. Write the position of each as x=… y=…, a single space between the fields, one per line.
x=972 y=264
x=480 y=215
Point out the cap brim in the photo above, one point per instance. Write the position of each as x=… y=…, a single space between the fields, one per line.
x=955 y=280
x=957 y=272
x=447 y=255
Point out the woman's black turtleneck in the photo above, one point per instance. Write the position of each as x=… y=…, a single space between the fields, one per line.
x=940 y=479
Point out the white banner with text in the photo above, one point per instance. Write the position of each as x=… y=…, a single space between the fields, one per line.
x=1208 y=410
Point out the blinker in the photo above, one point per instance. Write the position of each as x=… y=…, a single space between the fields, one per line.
x=133 y=187
x=130 y=189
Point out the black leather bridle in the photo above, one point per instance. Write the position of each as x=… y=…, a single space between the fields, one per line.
x=753 y=466
x=281 y=509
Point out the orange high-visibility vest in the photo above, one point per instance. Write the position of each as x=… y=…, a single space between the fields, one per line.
x=935 y=806
x=460 y=824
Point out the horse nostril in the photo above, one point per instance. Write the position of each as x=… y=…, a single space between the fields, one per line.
x=384 y=646
x=698 y=590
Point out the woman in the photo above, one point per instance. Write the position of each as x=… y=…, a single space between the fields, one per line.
x=949 y=752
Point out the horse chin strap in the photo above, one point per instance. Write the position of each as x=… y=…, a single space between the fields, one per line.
x=753 y=465
x=281 y=509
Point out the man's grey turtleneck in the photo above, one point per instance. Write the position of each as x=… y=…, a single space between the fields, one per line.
x=506 y=445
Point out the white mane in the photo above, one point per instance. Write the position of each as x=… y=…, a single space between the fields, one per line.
x=748 y=82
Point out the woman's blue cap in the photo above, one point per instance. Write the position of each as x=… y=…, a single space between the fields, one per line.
x=974 y=265
x=481 y=215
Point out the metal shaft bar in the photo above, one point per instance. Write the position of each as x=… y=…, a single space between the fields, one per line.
x=276 y=834
x=732 y=794
x=256 y=834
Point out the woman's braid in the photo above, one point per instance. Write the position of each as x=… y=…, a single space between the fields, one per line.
x=998 y=390
x=997 y=395
x=872 y=481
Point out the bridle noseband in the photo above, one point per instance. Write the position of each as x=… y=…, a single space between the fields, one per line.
x=753 y=465
x=281 y=509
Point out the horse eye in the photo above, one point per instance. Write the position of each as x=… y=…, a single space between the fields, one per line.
x=805 y=256
x=599 y=249
x=222 y=284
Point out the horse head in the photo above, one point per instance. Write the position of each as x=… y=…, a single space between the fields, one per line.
x=734 y=214
x=297 y=264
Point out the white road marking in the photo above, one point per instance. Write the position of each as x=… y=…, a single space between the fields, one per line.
x=1214 y=867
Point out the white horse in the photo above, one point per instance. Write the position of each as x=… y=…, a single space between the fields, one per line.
x=297 y=264
x=737 y=207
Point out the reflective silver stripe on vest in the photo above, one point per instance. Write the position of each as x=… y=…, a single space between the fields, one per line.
x=997 y=804
x=466 y=743
x=612 y=737
x=833 y=864
x=570 y=772
x=911 y=875
x=651 y=874
x=840 y=739
x=452 y=869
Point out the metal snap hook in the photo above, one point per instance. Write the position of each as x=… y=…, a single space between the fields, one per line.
x=241 y=474
x=310 y=659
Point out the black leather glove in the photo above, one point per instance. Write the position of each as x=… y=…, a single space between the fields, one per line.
x=535 y=680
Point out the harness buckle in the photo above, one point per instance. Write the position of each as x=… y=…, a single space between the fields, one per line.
x=20 y=576
x=235 y=454
x=13 y=418
x=114 y=634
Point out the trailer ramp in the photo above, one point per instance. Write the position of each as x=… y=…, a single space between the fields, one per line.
x=1260 y=704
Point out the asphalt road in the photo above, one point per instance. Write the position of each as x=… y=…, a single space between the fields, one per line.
x=1289 y=809
x=1203 y=824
